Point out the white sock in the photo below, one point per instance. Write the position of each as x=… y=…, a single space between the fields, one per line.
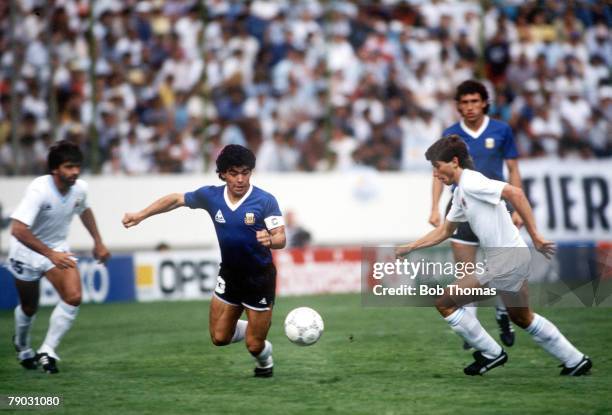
x=23 y=341
x=264 y=359
x=472 y=308
x=61 y=320
x=241 y=326
x=500 y=307
x=468 y=327
x=547 y=335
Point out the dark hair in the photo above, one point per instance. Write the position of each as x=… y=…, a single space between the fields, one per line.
x=234 y=155
x=473 y=87
x=448 y=147
x=62 y=152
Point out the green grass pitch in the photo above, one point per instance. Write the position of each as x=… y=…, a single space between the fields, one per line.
x=157 y=358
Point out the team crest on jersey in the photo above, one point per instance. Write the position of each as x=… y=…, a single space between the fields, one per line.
x=219 y=217
x=489 y=143
x=249 y=218
x=78 y=203
x=463 y=202
x=46 y=206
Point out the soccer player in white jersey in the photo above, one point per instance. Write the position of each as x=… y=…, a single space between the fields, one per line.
x=38 y=248
x=491 y=145
x=478 y=200
x=248 y=223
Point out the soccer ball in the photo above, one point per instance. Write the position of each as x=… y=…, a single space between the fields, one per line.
x=303 y=326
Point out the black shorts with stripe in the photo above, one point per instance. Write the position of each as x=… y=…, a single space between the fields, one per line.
x=252 y=288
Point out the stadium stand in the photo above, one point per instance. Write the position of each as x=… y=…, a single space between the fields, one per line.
x=161 y=86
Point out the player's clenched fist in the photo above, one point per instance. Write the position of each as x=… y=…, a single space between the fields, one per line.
x=63 y=260
x=101 y=253
x=130 y=219
x=264 y=238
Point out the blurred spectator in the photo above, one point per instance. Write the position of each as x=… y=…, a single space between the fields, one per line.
x=277 y=155
x=343 y=146
x=545 y=131
x=420 y=130
x=297 y=236
x=497 y=57
x=576 y=117
x=135 y=158
x=600 y=134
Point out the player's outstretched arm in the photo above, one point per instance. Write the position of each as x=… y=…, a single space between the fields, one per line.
x=516 y=196
x=99 y=251
x=441 y=233
x=22 y=232
x=165 y=204
x=436 y=193
x=514 y=178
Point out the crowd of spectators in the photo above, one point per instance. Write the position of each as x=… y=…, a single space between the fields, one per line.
x=310 y=85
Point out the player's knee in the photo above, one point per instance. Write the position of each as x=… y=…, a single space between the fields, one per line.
x=220 y=339
x=521 y=320
x=29 y=310
x=444 y=307
x=74 y=299
x=255 y=345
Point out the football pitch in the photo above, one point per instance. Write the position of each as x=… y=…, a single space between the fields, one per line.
x=157 y=358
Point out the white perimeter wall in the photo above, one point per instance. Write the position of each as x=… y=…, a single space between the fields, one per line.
x=355 y=208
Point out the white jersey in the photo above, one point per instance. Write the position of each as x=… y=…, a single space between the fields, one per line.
x=49 y=213
x=477 y=200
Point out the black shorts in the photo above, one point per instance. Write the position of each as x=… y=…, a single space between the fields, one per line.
x=254 y=288
x=464 y=233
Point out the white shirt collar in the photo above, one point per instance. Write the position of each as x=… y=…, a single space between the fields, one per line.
x=477 y=133
x=56 y=191
x=235 y=206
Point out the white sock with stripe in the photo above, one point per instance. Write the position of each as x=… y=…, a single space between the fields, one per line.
x=547 y=335
x=472 y=308
x=23 y=341
x=264 y=359
x=61 y=320
x=469 y=328
x=500 y=306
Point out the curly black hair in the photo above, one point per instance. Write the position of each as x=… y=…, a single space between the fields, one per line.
x=448 y=147
x=234 y=155
x=62 y=152
x=473 y=87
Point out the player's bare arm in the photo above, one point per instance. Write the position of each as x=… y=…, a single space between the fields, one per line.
x=514 y=178
x=516 y=196
x=274 y=239
x=164 y=204
x=22 y=232
x=436 y=193
x=100 y=252
x=436 y=236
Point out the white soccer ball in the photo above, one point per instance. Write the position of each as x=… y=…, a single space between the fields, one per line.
x=303 y=326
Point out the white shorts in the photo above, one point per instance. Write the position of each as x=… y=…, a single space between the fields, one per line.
x=28 y=265
x=507 y=268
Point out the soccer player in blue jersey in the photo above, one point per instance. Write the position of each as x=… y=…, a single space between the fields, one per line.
x=491 y=144
x=479 y=201
x=249 y=224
